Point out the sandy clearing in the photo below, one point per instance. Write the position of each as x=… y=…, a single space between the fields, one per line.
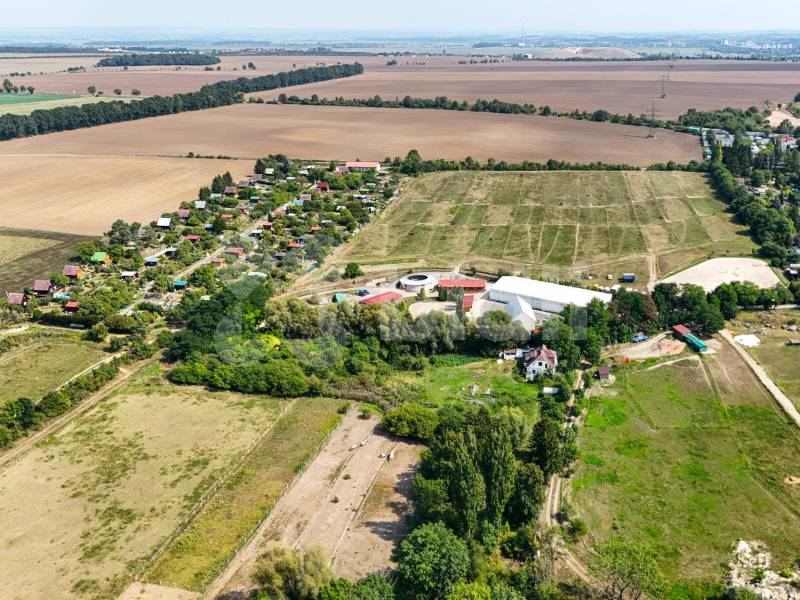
x=623 y=87
x=779 y=116
x=423 y=308
x=346 y=133
x=319 y=508
x=85 y=194
x=368 y=544
x=711 y=273
x=151 y=591
x=661 y=345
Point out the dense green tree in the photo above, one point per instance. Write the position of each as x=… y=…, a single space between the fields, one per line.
x=430 y=561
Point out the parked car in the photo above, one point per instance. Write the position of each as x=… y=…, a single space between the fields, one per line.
x=362 y=293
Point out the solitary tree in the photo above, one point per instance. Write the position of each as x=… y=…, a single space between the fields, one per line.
x=629 y=569
x=431 y=560
x=352 y=270
x=92 y=90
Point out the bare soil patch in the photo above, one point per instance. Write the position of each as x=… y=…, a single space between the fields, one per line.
x=88 y=193
x=711 y=273
x=323 y=132
x=616 y=86
x=155 y=80
x=319 y=509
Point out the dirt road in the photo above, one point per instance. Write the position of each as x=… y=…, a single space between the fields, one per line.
x=320 y=507
x=781 y=398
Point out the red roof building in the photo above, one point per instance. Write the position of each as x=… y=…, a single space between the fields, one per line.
x=680 y=330
x=72 y=271
x=183 y=213
x=42 y=286
x=466 y=284
x=267 y=224
x=17 y=298
x=192 y=237
x=382 y=298
x=294 y=245
x=72 y=306
x=226 y=216
x=323 y=185
x=316 y=228
x=467 y=303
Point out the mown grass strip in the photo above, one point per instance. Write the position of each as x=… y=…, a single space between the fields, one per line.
x=204 y=548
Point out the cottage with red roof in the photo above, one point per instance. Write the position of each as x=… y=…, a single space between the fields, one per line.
x=74 y=272
x=231 y=190
x=193 y=237
x=42 y=287
x=363 y=166
x=323 y=186
x=539 y=361
x=183 y=213
x=467 y=303
x=72 y=306
x=17 y=299
x=237 y=252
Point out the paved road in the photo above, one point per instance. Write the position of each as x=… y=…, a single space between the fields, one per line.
x=781 y=398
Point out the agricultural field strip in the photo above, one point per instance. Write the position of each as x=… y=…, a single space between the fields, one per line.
x=418 y=205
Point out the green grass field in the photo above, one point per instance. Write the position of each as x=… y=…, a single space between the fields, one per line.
x=774 y=354
x=561 y=223
x=25 y=104
x=690 y=457
x=203 y=549
x=27 y=255
x=37 y=367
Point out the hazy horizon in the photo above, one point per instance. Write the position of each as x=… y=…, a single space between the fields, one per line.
x=247 y=17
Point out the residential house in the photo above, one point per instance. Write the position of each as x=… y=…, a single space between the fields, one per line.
x=193 y=237
x=231 y=190
x=100 y=258
x=363 y=166
x=511 y=354
x=74 y=272
x=200 y=204
x=164 y=223
x=72 y=306
x=237 y=252
x=323 y=186
x=42 y=287
x=183 y=213
x=17 y=299
x=539 y=361
x=128 y=275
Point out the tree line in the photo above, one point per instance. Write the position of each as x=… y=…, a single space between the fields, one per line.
x=731 y=119
x=158 y=59
x=221 y=93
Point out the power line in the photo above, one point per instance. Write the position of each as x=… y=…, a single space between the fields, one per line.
x=652 y=114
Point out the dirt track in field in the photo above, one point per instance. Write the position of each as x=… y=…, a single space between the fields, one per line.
x=85 y=194
x=346 y=133
x=349 y=501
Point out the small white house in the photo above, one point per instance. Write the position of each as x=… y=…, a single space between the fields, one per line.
x=164 y=223
x=511 y=354
x=539 y=361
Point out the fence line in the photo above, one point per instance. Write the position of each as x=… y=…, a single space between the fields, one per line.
x=209 y=493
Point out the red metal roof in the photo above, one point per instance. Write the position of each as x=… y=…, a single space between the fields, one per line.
x=41 y=285
x=681 y=329
x=381 y=298
x=71 y=271
x=71 y=305
x=192 y=237
x=472 y=284
x=468 y=301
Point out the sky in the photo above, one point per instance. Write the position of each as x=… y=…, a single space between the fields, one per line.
x=445 y=16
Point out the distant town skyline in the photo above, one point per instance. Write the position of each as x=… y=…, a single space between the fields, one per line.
x=445 y=16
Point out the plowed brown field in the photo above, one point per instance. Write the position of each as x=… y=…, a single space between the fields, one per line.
x=320 y=132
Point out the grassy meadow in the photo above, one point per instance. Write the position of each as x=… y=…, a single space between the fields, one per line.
x=37 y=367
x=201 y=551
x=553 y=222
x=84 y=511
x=690 y=457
